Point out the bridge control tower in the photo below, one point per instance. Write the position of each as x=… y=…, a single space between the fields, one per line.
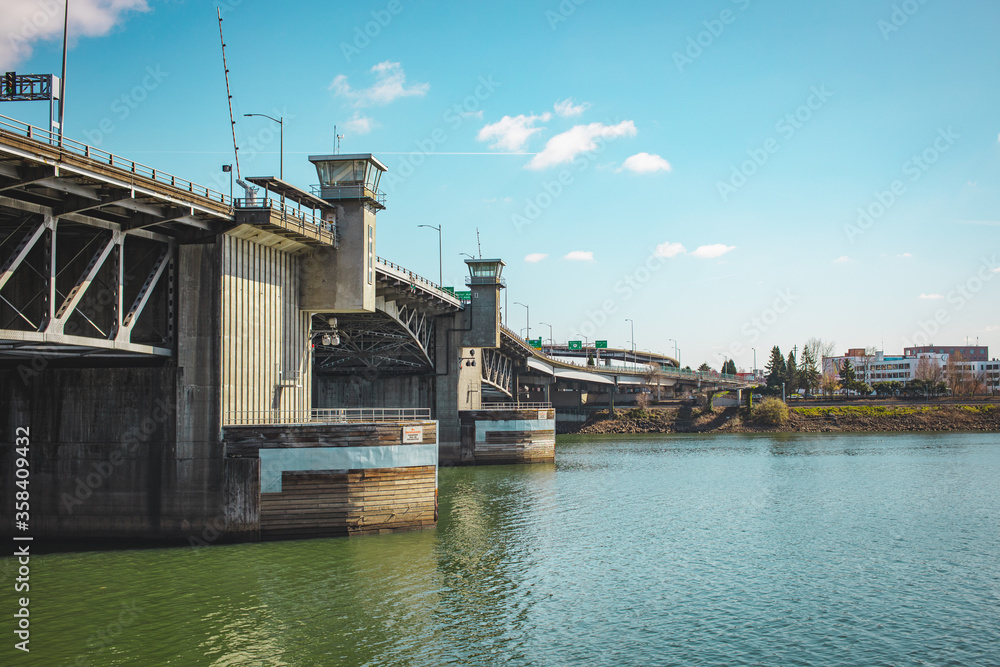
x=485 y=282
x=343 y=280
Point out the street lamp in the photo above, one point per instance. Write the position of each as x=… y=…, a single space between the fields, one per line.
x=527 y=316
x=281 y=134
x=628 y=319
x=754 y=362
x=724 y=362
x=551 y=341
x=675 y=351
x=440 y=260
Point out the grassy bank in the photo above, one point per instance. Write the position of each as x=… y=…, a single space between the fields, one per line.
x=862 y=418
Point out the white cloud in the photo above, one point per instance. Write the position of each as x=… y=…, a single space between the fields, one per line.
x=471 y=114
x=644 y=163
x=712 y=251
x=843 y=259
x=905 y=255
x=564 y=147
x=669 y=249
x=512 y=132
x=359 y=124
x=580 y=256
x=535 y=257
x=390 y=85
x=28 y=21
x=996 y=270
x=567 y=109
x=931 y=296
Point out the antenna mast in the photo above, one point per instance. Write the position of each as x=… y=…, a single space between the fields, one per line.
x=229 y=94
x=478 y=243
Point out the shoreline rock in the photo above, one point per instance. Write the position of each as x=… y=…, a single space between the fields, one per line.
x=849 y=419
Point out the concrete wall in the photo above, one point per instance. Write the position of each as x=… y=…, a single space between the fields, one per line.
x=406 y=391
x=337 y=280
x=266 y=362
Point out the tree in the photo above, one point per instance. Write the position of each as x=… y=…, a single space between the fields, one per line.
x=653 y=375
x=828 y=383
x=791 y=374
x=808 y=370
x=867 y=360
x=776 y=368
x=929 y=370
x=956 y=374
x=888 y=388
x=704 y=367
x=848 y=378
x=729 y=367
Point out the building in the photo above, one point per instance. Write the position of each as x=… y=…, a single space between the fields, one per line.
x=874 y=366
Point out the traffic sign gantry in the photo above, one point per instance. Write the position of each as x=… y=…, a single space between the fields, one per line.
x=575 y=345
x=601 y=344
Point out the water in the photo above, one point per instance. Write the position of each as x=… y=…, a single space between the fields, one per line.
x=630 y=550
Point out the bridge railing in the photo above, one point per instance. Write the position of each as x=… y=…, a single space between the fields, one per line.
x=323 y=416
x=516 y=406
x=415 y=277
x=104 y=157
x=295 y=216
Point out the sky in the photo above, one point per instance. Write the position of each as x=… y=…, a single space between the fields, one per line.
x=722 y=176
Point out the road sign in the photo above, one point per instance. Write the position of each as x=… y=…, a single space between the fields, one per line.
x=575 y=345
x=601 y=344
x=535 y=343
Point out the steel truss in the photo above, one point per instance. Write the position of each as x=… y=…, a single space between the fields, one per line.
x=498 y=370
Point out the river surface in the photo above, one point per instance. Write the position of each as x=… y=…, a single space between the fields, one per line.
x=865 y=549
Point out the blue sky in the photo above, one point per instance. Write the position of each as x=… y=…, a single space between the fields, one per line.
x=729 y=174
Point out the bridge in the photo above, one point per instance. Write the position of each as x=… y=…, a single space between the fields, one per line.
x=211 y=347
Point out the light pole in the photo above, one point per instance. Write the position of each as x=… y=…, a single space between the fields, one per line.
x=440 y=260
x=628 y=319
x=551 y=341
x=754 y=362
x=725 y=362
x=527 y=317
x=675 y=352
x=280 y=120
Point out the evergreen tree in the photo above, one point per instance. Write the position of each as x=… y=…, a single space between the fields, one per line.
x=729 y=367
x=848 y=378
x=791 y=374
x=775 y=369
x=809 y=371
x=704 y=367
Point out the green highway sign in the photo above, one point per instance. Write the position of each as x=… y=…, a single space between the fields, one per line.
x=575 y=345
x=535 y=343
x=601 y=344
x=464 y=295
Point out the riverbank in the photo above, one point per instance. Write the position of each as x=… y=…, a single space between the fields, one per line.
x=860 y=419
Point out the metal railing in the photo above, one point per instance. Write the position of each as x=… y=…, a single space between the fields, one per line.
x=103 y=157
x=415 y=277
x=298 y=217
x=323 y=416
x=516 y=406
x=348 y=190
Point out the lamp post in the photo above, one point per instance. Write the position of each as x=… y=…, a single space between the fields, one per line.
x=228 y=169
x=725 y=362
x=440 y=260
x=628 y=319
x=551 y=341
x=675 y=352
x=754 y=362
x=280 y=120
x=527 y=317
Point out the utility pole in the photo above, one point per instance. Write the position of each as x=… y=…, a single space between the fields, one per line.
x=628 y=319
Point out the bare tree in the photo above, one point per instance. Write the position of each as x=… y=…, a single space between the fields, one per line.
x=955 y=374
x=929 y=370
x=820 y=348
x=829 y=383
x=653 y=375
x=866 y=362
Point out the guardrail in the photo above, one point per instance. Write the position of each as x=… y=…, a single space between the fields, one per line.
x=296 y=214
x=516 y=406
x=415 y=277
x=350 y=190
x=20 y=128
x=323 y=416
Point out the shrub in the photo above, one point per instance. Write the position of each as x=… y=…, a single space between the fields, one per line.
x=770 y=412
